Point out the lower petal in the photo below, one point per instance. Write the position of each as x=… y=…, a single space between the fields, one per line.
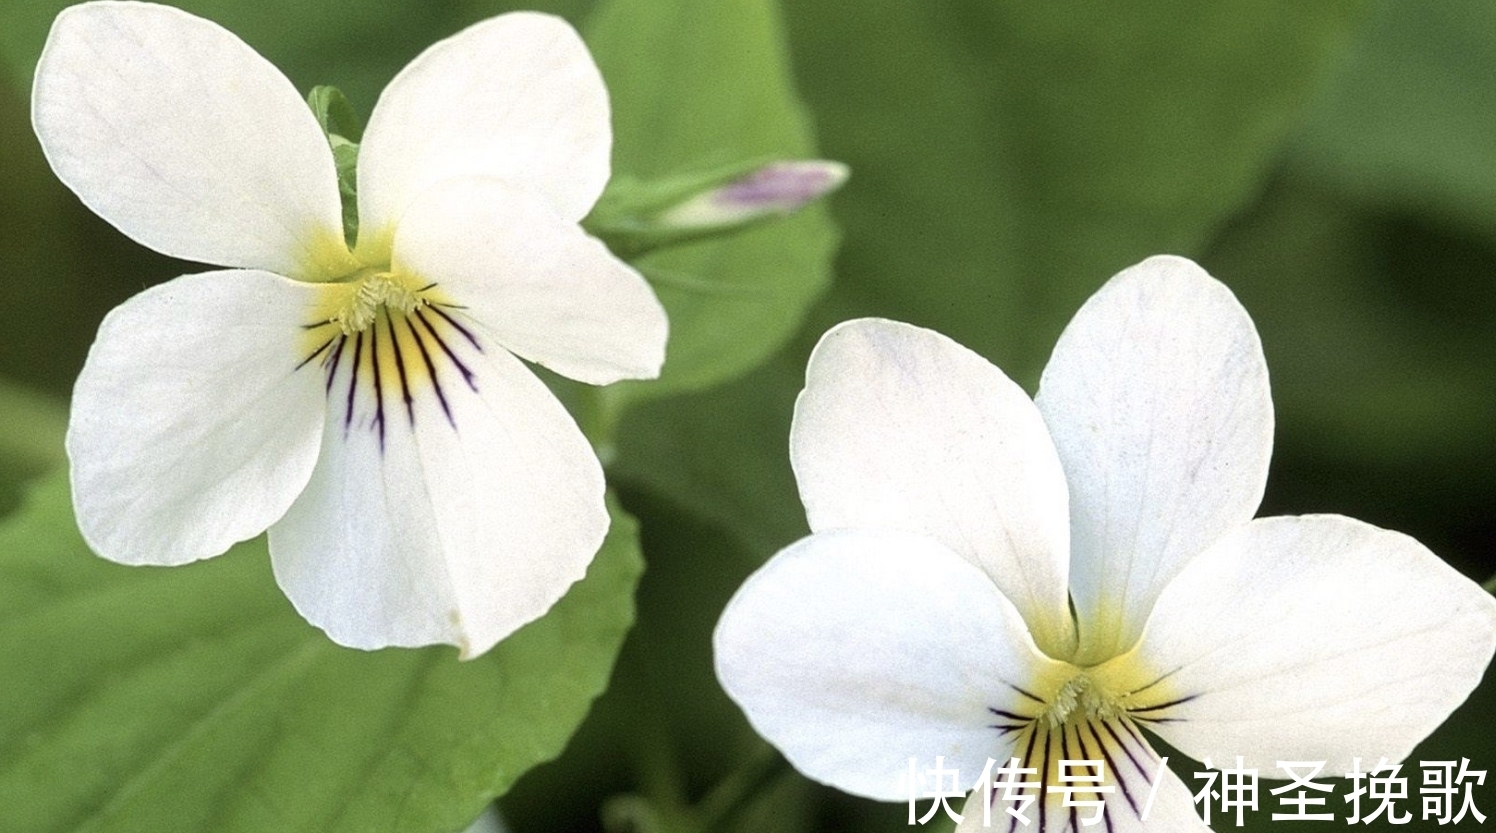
x=855 y=651
x=190 y=428
x=1315 y=638
x=455 y=500
x=1114 y=782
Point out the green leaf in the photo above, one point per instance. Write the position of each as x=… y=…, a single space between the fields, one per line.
x=195 y=699
x=697 y=86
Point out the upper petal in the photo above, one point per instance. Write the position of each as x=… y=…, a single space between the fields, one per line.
x=539 y=284
x=1316 y=638
x=1157 y=399
x=901 y=428
x=191 y=428
x=455 y=499
x=850 y=693
x=516 y=96
x=184 y=138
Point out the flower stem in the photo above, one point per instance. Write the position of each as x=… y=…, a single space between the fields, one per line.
x=1489 y=585
x=662 y=807
x=757 y=773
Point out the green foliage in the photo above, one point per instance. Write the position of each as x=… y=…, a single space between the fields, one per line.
x=1332 y=162
x=195 y=699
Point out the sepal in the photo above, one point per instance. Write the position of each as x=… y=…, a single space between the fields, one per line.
x=343 y=128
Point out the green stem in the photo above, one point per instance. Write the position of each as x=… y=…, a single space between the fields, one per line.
x=755 y=775
x=1490 y=585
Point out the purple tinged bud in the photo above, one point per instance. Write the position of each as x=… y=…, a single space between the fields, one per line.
x=777 y=188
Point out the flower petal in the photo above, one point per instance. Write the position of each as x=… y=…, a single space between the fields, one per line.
x=1314 y=638
x=540 y=285
x=190 y=428
x=1157 y=399
x=185 y=139
x=455 y=499
x=1133 y=805
x=516 y=96
x=850 y=693
x=901 y=428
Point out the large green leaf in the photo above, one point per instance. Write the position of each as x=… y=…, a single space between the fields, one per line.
x=1007 y=159
x=695 y=86
x=195 y=699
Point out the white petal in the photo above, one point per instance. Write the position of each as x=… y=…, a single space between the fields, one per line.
x=516 y=96
x=1314 y=638
x=191 y=427
x=538 y=283
x=901 y=428
x=455 y=518
x=1157 y=399
x=854 y=651
x=1141 y=807
x=185 y=139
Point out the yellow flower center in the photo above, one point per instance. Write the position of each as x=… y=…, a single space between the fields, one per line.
x=1079 y=730
x=1082 y=699
x=374 y=290
x=388 y=342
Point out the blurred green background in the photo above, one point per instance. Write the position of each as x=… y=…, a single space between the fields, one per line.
x=1333 y=162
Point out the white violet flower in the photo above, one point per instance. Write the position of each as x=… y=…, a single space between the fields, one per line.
x=991 y=577
x=420 y=485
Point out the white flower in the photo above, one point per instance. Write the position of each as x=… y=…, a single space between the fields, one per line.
x=956 y=525
x=419 y=484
